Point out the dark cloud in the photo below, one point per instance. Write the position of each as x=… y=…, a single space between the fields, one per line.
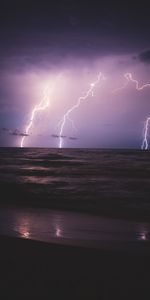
x=15 y=132
x=18 y=133
x=73 y=138
x=4 y=129
x=36 y=32
x=58 y=136
x=145 y=56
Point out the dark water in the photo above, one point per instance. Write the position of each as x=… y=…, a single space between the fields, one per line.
x=107 y=182
x=99 y=183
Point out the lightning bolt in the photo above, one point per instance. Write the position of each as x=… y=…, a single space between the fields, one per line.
x=70 y=120
x=44 y=103
x=128 y=77
x=145 y=139
x=72 y=123
x=80 y=99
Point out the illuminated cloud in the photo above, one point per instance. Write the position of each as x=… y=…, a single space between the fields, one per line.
x=79 y=40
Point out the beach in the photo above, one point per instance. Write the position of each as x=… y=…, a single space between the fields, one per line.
x=50 y=253
x=31 y=269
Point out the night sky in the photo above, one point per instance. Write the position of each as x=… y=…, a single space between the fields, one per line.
x=64 y=45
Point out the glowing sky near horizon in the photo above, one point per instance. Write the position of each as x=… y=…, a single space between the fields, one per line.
x=105 y=120
x=77 y=41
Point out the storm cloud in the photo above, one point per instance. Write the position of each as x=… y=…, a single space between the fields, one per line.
x=145 y=56
x=74 y=40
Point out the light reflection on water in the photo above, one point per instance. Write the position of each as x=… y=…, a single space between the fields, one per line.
x=143 y=236
x=58 y=232
x=23 y=227
x=32 y=225
x=73 y=228
x=99 y=178
x=144 y=233
x=36 y=179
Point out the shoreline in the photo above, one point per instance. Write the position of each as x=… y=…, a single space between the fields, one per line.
x=75 y=229
x=133 y=215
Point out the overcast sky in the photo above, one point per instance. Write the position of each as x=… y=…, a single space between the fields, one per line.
x=63 y=45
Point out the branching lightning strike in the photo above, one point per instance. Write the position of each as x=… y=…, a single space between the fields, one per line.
x=87 y=94
x=128 y=77
x=44 y=103
x=145 y=139
x=41 y=106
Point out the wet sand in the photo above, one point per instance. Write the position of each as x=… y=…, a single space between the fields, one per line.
x=74 y=229
x=38 y=270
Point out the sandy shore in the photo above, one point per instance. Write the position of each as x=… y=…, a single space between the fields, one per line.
x=31 y=270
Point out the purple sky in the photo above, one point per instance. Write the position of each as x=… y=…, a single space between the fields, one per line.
x=65 y=46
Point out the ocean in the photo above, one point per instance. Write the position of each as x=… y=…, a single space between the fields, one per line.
x=82 y=197
x=112 y=183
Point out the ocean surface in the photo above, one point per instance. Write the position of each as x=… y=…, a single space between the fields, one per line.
x=87 y=197
x=100 y=181
x=106 y=182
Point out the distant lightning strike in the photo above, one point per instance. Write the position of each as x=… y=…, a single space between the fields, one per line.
x=44 y=103
x=41 y=106
x=145 y=139
x=70 y=120
x=129 y=78
x=87 y=94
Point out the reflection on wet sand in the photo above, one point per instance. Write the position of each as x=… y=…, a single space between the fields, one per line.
x=23 y=227
x=71 y=228
x=143 y=233
x=58 y=232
